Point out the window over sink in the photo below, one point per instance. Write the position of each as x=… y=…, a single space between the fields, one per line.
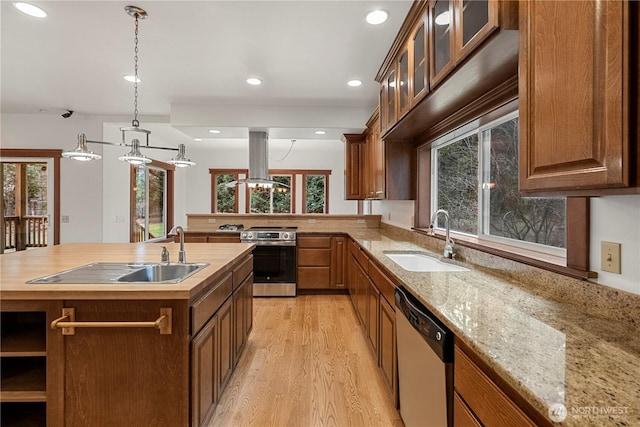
x=475 y=178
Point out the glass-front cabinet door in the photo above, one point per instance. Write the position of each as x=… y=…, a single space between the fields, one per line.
x=475 y=20
x=442 y=41
x=403 y=82
x=419 y=65
x=390 y=86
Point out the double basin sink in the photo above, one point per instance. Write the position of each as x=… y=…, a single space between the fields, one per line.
x=122 y=273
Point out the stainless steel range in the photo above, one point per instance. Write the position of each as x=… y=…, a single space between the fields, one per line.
x=274 y=260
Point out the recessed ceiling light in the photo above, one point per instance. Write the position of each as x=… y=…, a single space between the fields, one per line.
x=132 y=79
x=443 y=19
x=376 y=17
x=197 y=139
x=214 y=131
x=30 y=9
x=354 y=83
x=320 y=132
x=254 y=81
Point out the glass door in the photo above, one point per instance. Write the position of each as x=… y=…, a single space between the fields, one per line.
x=26 y=201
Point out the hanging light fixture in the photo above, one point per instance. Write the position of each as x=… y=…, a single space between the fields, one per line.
x=181 y=161
x=134 y=156
x=81 y=153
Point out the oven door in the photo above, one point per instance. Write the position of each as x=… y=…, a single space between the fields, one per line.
x=274 y=270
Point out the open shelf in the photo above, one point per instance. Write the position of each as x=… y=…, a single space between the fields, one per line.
x=23 y=334
x=23 y=415
x=23 y=379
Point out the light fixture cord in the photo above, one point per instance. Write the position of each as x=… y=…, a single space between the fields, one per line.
x=135 y=123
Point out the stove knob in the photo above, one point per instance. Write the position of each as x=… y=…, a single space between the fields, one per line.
x=250 y=235
x=285 y=236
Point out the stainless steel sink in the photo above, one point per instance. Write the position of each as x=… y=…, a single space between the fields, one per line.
x=161 y=273
x=122 y=272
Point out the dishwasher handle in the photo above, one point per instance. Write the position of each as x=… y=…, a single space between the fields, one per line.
x=432 y=331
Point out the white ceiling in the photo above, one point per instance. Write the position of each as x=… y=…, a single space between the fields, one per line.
x=194 y=58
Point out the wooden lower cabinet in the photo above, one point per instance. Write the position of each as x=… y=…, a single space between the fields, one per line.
x=388 y=354
x=204 y=384
x=243 y=316
x=226 y=334
x=314 y=262
x=321 y=262
x=126 y=376
x=479 y=401
x=375 y=312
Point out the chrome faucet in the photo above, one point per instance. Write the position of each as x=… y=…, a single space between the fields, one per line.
x=178 y=230
x=448 y=243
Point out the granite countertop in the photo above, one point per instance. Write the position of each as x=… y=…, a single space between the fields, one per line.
x=19 y=267
x=550 y=352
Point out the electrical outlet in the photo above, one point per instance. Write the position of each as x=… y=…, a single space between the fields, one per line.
x=360 y=221
x=212 y=220
x=311 y=221
x=64 y=219
x=610 y=257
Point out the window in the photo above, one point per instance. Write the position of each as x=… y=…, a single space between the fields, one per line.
x=315 y=192
x=152 y=201
x=276 y=199
x=224 y=197
x=475 y=178
x=279 y=199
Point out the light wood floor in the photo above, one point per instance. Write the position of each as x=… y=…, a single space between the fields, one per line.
x=306 y=364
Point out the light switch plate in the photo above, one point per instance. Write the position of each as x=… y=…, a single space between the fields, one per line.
x=610 y=257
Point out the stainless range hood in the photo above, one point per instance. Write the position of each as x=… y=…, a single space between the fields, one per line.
x=258 y=162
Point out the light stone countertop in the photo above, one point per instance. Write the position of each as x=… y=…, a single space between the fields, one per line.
x=550 y=352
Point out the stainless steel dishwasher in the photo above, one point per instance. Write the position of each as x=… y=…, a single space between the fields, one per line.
x=425 y=365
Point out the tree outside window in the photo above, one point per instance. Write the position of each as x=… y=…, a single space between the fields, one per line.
x=316 y=195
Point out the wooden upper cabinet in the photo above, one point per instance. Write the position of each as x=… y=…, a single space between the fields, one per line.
x=403 y=82
x=474 y=21
x=441 y=40
x=391 y=111
x=419 y=71
x=354 y=166
x=375 y=185
x=575 y=98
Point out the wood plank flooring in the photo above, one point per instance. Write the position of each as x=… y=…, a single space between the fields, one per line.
x=306 y=364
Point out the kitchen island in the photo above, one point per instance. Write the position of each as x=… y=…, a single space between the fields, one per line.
x=164 y=358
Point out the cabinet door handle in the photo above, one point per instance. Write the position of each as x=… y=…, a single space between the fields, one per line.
x=67 y=322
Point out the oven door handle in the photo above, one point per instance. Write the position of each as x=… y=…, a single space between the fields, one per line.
x=267 y=243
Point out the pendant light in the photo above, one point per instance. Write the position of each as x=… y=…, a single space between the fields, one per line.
x=134 y=156
x=81 y=153
x=181 y=161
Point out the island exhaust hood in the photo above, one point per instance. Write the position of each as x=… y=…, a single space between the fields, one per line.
x=258 y=162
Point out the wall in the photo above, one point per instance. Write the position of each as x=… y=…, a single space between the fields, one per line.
x=613 y=219
x=80 y=182
x=305 y=154
x=95 y=195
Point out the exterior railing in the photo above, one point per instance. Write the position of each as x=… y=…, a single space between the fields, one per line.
x=29 y=231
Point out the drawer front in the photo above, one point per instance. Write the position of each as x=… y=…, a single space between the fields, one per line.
x=242 y=271
x=359 y=255
x=314 y=277
x=382 y=282
x=484 y=398
x=206 y=306
x=314 y=257
x=314 y=242
x=462 y=416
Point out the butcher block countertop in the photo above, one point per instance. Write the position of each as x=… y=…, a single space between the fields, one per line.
x=19 y=267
